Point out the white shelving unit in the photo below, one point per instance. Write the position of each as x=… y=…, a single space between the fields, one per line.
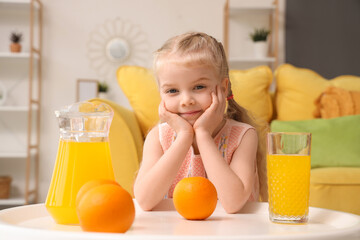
x=234 y=8
x=29 y=113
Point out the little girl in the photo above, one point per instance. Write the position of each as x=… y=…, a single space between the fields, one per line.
x=195 y=138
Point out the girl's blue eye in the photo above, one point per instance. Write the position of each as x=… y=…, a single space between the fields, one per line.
x=199 y=87
x=172 y=91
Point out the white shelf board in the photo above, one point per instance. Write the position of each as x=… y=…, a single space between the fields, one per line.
x=21 y=55
x=18 y=3
x=247 y=8
x=251 y=59
x=20 y=154
x=25 y=2
x=242 y=8
x=19 y=109
x=14 y=108
x=13 y=201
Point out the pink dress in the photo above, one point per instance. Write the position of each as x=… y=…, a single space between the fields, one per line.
x=227 y=140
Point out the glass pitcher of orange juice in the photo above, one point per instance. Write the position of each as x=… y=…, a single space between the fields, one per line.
x=83 y=155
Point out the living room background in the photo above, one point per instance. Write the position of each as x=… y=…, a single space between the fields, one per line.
x=67 y=26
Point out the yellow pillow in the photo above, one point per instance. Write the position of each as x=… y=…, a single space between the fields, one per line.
x=140 y=88
x=251 y=90
x=298 y=88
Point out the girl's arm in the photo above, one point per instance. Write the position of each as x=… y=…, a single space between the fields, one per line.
x=233 y=182
x=158 y=169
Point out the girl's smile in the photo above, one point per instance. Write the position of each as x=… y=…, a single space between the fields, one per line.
x=191 y=115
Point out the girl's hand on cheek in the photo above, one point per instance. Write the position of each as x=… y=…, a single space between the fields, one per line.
x=213 y=115
x=180 y=125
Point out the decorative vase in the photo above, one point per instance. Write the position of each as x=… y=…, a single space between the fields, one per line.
x=261 y=49
x=15 y=47
x=103 y=95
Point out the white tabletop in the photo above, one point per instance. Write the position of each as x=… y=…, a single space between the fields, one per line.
x=34 y=222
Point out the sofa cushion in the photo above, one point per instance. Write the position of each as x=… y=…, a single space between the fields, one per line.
x=337 y=102
x=140 y=88
x=336 y=176
x=251 y=90
x=335 y=141
x=298 y=88
x=335 y=188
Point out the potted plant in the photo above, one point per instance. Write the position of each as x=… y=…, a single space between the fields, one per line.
x=102 y=89
x=15 y=39
x=259 y=37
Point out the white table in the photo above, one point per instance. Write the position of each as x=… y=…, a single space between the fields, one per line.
x=33 y=222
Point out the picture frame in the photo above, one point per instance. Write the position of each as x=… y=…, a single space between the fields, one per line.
x=86 y=89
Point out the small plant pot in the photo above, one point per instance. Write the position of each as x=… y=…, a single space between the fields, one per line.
x=5 y=183
x=261 y=49
x=15 y=47
x=103 y=95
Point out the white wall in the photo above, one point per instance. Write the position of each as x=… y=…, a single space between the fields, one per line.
x=66 y=30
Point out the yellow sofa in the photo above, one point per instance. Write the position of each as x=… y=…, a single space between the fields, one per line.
x=333 y=185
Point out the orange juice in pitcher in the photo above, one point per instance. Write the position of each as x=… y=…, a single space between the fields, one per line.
x=83 y=155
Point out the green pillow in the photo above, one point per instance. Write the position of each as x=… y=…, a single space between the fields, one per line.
x=335 y=141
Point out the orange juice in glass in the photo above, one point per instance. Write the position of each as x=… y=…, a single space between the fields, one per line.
x=83 y=155
x=288 y=168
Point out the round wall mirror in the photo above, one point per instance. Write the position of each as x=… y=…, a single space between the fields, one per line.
x=116 y=43
x=117 y=50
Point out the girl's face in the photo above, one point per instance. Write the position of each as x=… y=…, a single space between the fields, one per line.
x=185 y=90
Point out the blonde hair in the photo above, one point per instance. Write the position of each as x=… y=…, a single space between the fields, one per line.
x=196 y=48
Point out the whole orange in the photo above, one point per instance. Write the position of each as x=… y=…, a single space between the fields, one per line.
x=90 y=184
x=106 y=208
x=195 y=198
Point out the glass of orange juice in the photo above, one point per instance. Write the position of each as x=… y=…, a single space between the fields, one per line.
x=83 y=155
x=288 y=169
